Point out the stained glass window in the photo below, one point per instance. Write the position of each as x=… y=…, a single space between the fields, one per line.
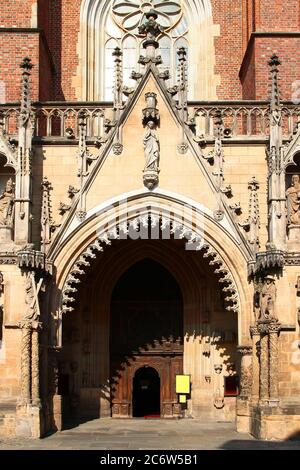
x=121 y=29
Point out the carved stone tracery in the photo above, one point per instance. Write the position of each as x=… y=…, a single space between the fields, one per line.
x=144 y=225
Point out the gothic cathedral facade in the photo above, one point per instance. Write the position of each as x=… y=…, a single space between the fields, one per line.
x=150 y=213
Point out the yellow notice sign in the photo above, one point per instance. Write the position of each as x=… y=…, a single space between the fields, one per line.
x=182 y=399
x=183 y=384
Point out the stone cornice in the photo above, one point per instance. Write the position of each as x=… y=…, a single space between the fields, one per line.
x=8 y=258
x=269 y=260
x=34 y=260
x=265 y=261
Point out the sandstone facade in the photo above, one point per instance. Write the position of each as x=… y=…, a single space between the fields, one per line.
x=171 y=175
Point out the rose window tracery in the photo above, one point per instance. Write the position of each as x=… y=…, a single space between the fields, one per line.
x=130 y=14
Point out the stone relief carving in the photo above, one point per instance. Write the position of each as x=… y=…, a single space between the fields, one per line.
x=7 y=203
x=31 y=298
x=151 y=142
x=293 y=201
x=267 y=301
x=152 y=148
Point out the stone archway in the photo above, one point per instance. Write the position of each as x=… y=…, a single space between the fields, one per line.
x=106 y=245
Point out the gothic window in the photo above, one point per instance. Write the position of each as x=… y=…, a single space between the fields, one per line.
x=121 y=29
x=106 y=24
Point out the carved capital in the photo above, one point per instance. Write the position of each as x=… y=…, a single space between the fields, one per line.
x=25 y=325
x=254 y=331
x=275 y=328
x=245 y=350
x=32 y=260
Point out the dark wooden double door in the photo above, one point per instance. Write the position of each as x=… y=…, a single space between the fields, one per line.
x=130 y=400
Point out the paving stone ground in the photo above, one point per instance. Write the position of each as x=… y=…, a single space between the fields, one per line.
x=107 y=434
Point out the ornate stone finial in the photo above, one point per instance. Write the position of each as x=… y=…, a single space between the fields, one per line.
x=27 y=66
x=46 y=216
x=117 y=54
x=182 y=98
x=118 y=101
x=251 y=225
x=274 y=63
x=181 y=53
x=151 y=29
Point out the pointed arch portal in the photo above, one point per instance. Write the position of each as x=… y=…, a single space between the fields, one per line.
x=102 y=304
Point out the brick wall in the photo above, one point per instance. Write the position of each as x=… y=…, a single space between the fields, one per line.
x=14 y=47
x=255 y=70
x=58 y=54
x=64 y=26
x=17 y=13
x=228 y=47
x=278 y=15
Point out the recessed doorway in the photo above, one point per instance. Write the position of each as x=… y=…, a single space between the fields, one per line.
x=146 y=393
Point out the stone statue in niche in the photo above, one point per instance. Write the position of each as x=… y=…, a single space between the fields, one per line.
x=32 y=290
x=152 y=148
x=267 y=301
x=30 y=301
x=7 y=203
x=151 y=142
x=293 y=201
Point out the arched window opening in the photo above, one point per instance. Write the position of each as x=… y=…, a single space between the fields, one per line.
x=106 y=24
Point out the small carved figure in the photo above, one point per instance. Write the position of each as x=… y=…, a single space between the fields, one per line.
x=267 y=300
x=152 y=148
x=293 y=201
x=6 y=203
x=29 y=300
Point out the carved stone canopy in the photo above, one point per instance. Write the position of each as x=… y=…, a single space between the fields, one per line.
x=150 y=112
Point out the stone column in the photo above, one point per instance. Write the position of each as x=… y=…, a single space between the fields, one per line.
x=246 y=371
x=255 y=363
x=35 y=365
x=26 y=363
x=264 y=367
x=274 y=330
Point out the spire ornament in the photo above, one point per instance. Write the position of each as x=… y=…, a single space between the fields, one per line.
x=182 y=98
x=118 y=102
x=251 y=225
x=23 y=216
x=276 y=178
